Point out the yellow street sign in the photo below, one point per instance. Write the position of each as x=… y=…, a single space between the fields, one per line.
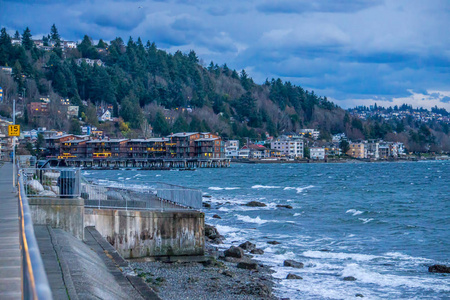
x=14 y=130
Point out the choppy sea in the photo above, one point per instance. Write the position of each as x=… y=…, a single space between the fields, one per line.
x=382 y=223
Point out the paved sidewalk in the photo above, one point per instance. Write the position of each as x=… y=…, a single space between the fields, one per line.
x=10 y=259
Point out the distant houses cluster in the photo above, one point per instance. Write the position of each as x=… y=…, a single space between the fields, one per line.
x=298 y=146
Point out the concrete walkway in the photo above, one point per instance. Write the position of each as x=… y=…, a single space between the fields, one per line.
x=10 y=258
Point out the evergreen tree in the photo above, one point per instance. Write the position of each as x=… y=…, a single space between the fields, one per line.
x=161 y=126
x=17 y=34
x=180 y=125
x=55 y=38
x=27 y=42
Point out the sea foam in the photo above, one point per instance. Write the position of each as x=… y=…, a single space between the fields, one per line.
x=299 y=189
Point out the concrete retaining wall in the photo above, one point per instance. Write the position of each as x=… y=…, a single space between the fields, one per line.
x=66 y=214
x=150 y=233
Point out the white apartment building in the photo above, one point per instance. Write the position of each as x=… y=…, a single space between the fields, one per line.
x=232 y=149
x=317 y=153
x=288 y=147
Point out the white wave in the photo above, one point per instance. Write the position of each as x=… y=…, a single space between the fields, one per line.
x=216 y=188
x=297 y=214
x=339 y=255
x=265 y=187
x=248 y=219
x=299 y=189
x=389 y=280
x=401 y=256
x=224 y=209
x=157 y=175
x=354 y=212
x=365 y=220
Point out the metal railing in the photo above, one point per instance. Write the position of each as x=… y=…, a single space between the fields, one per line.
x=34 y=279
x=52 y=182
x=180 y=195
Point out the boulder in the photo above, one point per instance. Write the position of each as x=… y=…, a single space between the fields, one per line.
x=349 y=278
x=273 y=242
x=255 y=204
x=55 y=189
x=35 y=187
x=284 y=206
x=293 y=264
x=247 y=265
x=207 y=196
x=257 y=251
x=47 y=194
x=51 y=175
x=247 y=246
x=293 y=276
x=206 y=205
x=217 y=217
x=359 y=295
x=212 y=234
x=439 y=269
x=234 y=252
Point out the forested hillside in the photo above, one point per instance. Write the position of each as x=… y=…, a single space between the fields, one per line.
x=146 y=85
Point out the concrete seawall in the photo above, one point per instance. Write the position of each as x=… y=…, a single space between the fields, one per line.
x=137 y=234
x=67 y=214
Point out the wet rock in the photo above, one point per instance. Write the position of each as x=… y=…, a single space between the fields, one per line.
x=247 y=246
x=284 y=206
x=212 y=234
x=257 y=251
x=255 y=204
x=217 y=217
x=207 y=196
x=234 y=252
x=273 y=242
x=206 y=205
x=359 y=295
x=293 y=276
x=349 y=278
x=439 y=269
x=247 y=265
x=293 y=264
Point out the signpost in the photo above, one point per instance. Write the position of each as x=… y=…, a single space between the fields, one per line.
x=14 y=130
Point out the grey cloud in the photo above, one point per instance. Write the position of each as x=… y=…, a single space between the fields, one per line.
x=446 y=99
x=120 y=17
x=305 y=6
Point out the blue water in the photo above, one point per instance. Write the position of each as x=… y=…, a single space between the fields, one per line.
x=382 y=223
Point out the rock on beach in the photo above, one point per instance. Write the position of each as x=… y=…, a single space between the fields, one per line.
x=234 y=252
x=439 y=269
x=212 y=234
x=247 y=246
x=293 y=276
x=255 y=204
x=293 y=264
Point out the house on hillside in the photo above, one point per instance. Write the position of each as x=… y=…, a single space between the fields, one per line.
x=105 y=116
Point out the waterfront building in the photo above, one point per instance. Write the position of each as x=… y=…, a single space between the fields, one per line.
x=232 y=149
x=373 y=149
x=292 y=148
x=357 y=150
x=317 y=153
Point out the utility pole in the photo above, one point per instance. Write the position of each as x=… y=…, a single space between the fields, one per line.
x=14 y=145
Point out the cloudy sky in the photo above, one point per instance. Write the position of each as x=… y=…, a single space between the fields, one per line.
x=352 y=51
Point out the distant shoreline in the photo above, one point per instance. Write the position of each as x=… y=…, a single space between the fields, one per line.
x=342 y=160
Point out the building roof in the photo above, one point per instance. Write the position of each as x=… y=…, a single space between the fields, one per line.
x=182 y=134
x=107 y=141
x=206 y=139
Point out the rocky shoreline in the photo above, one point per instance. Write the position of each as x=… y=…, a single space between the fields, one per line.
x=221 y=275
